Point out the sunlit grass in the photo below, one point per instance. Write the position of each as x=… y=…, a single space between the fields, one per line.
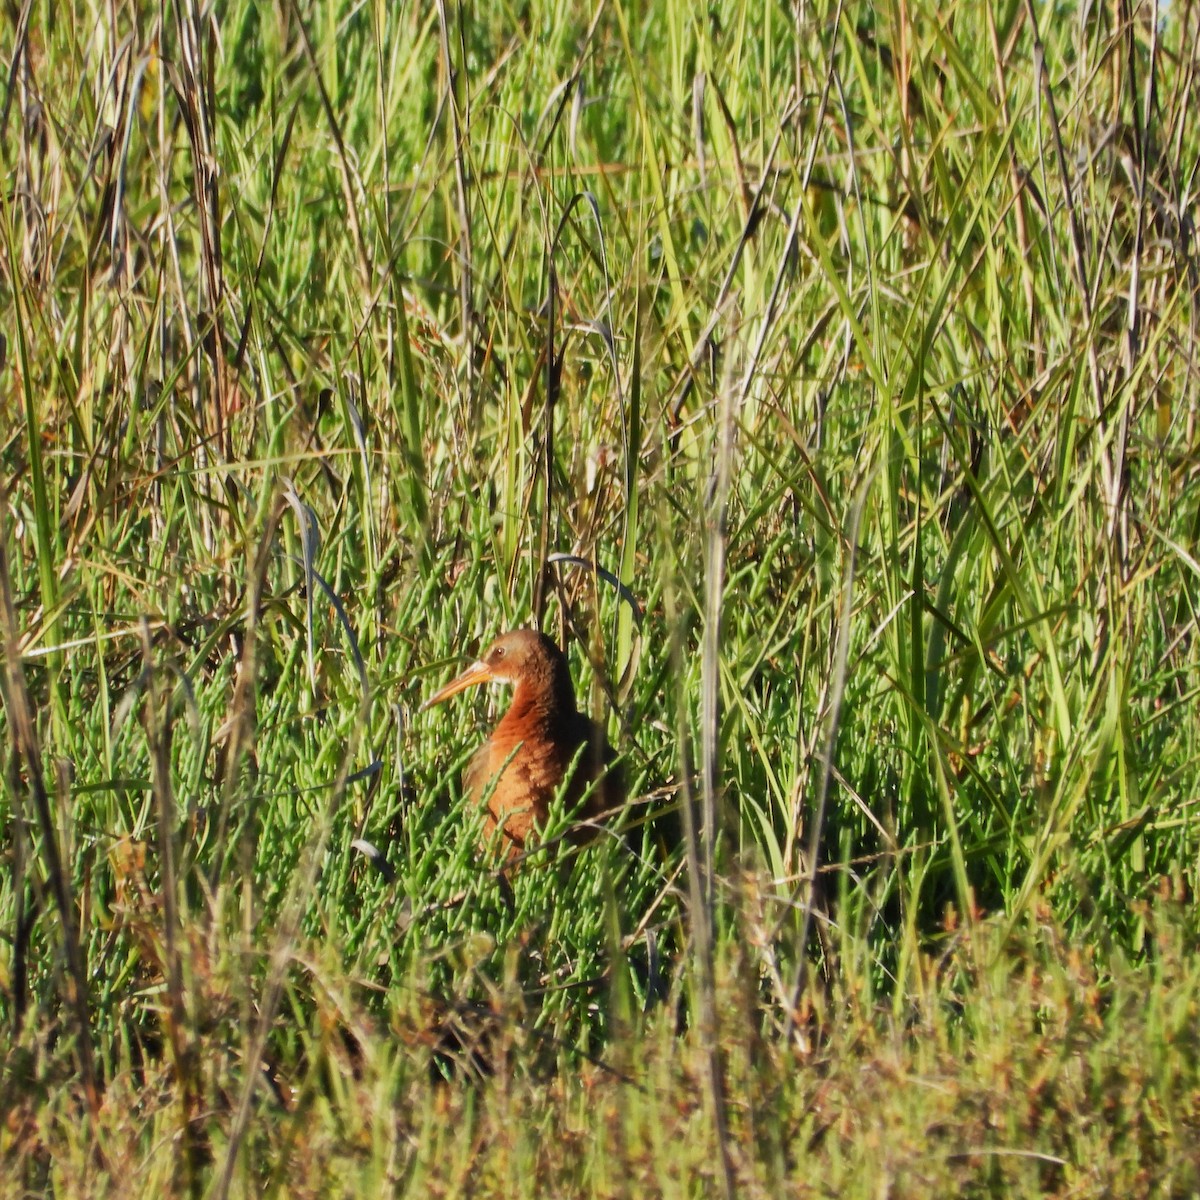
x=867 y=369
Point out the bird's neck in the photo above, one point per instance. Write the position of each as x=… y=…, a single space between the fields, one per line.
x=538 y=703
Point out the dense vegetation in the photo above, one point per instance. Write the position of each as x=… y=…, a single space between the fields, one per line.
x=823 y=377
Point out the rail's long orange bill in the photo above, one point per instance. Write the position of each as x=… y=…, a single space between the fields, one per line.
x=476 y=673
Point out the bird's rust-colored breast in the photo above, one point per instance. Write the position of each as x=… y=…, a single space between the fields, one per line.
x=529 y=766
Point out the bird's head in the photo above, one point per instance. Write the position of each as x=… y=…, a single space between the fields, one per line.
x=522 y=658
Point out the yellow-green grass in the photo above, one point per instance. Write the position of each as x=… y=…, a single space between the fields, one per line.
x=857 y=344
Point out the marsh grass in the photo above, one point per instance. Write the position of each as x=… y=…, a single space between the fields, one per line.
x=856 y=343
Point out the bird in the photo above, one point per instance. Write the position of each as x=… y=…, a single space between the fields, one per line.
x=521 y=767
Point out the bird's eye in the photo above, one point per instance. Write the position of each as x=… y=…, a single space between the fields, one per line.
x=498 y=652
